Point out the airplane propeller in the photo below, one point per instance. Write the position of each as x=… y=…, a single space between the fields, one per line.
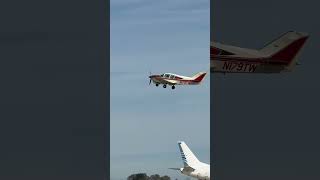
x=149 y=78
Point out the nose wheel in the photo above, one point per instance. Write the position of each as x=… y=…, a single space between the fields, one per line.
x=173 y=87
x=157 y=84
x=164 y=86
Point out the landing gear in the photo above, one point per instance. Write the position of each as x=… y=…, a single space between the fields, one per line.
x=157 y=84
x=164 y=86
x=173 y=87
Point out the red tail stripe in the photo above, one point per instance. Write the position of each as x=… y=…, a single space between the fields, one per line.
x=214 y=51
x=288 y=53
x=198 y=79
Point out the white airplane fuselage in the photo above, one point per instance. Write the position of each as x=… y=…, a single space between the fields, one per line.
x=174 y=79
x=178 y=79
x=236 y=65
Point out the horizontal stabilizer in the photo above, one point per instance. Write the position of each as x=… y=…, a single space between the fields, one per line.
x=178 y=169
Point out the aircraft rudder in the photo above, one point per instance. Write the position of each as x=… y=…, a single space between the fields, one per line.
x=286 y=48
x=188 y=158
x=199 y=76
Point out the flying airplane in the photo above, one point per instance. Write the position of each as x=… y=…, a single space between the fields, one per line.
x=277 y=56
x=192 y=166
x=174 y=79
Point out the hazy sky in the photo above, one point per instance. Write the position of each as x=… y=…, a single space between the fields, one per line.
x=147 y=121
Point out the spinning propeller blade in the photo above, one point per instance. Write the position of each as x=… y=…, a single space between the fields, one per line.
x=150 y=78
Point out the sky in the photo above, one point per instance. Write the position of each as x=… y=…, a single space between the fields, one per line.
x=266 y=125
x=147 y=121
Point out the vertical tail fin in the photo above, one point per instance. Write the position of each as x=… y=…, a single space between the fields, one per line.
x=188 y=158
x=286 y=48
x=199 y=76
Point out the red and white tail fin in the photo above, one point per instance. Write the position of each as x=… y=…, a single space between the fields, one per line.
x=286 y=48
x=199 y=76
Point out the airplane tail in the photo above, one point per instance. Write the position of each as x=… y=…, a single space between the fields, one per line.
x=199 y=76
x=188 y=158
x=286 y=48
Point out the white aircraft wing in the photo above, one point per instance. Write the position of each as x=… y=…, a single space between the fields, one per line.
x=178 y=169
x=169 y=81
x=188 y=168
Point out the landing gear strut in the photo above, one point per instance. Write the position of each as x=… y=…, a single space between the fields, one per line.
x=164 y=86
x=173 y=87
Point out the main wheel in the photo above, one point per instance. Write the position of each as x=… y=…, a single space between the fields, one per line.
x=173 y=87
x=164 y=86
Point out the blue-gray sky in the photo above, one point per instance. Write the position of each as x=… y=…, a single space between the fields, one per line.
x=147 y=121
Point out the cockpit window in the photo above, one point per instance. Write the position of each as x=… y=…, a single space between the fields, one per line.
x=167 y=75
x=162 y=75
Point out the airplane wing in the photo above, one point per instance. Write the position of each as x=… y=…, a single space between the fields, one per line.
x=188 y=168
x=169 y=81
x=178 y=169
